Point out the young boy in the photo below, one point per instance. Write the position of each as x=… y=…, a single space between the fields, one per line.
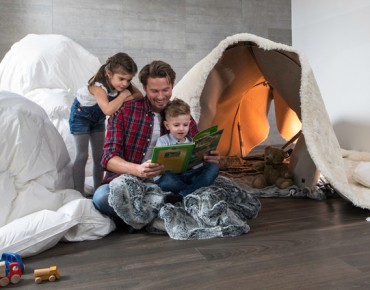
x=177 y=122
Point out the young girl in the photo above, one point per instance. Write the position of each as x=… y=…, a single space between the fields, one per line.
x=102 y=96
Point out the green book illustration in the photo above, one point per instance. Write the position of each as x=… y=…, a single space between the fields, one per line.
x=181 y=157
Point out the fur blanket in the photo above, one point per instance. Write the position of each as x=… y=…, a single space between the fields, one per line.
x=221 y=210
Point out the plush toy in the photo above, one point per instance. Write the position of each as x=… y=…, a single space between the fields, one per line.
x=274 y=170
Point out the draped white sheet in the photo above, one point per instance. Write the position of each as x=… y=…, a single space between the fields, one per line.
x=38 y=207
x=334 y=163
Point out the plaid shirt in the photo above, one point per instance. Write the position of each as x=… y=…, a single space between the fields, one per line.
x=129 y=133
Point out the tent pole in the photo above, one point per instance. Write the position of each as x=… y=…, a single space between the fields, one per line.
x=240 y=141
x=292 y=140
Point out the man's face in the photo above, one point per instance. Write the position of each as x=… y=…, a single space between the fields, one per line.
x=159 y=92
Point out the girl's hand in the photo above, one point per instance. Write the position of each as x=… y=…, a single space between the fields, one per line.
x=126 y=95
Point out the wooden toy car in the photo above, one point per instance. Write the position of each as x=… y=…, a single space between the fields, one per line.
x=13 y=257
x=9 y=272
x=46 y=274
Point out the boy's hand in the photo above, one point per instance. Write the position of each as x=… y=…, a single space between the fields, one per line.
x=213 y=157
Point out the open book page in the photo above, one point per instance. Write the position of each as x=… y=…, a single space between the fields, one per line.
x=203 y=146
x=205 y=132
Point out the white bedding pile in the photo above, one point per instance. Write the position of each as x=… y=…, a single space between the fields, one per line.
x=38 y=207
x=48 y=69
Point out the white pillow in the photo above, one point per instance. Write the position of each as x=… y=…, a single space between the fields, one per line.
x=361 y=174
x=91 y=224
x=77 y=220
x=55 y=102
x=35 y=232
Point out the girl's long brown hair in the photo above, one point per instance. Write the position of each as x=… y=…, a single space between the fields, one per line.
x=119 y=63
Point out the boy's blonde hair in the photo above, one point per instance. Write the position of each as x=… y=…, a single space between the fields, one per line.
x=175 y=108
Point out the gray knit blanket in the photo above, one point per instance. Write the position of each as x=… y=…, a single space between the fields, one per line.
x=220 y=210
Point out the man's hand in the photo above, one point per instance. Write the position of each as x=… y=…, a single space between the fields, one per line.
x=149 y=169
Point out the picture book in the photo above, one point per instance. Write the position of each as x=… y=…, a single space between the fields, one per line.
x=180 y=157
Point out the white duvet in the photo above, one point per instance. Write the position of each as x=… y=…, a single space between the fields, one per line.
x=38 y=207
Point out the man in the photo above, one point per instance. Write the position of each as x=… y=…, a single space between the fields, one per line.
x=133 y=131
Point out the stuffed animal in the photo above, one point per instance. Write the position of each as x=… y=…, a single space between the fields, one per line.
x=274 y=171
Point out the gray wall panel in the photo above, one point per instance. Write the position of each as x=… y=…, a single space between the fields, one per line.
x=180 y=32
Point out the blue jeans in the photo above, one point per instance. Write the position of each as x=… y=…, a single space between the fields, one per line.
x=189 y=181
x=84 y=120
x=100 y=201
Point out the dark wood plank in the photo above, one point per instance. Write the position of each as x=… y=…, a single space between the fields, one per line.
x=293 y=244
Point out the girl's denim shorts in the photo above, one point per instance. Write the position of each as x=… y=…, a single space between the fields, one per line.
x=85 y=120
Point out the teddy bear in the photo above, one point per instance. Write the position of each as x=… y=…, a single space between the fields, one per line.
x=274 y=170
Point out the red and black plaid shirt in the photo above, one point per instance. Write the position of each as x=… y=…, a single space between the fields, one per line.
x=129 y=133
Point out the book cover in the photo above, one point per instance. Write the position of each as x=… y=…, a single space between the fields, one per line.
x=174 y=157
x=180 y=157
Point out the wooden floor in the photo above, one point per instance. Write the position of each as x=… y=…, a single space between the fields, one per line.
x=293 y=244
